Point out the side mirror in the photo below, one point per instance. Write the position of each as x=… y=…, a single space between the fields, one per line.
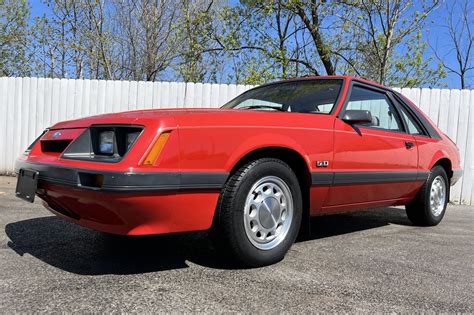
x=357 y=116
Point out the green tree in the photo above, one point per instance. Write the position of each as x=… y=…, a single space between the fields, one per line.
x=265 y=40
x=388 y=46
x=377 y=39
x=73 y=40
x=14 y=38
x=144 y=37
x=196 y=26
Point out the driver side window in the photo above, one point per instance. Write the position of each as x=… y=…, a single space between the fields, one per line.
x=384 y=115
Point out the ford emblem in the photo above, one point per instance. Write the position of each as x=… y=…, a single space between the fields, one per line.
x=56 y=134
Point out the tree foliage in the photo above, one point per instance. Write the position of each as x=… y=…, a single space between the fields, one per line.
x=197 y=26
x=249 y=41
x=14 y=38
x=376 y=39
x=390 y=49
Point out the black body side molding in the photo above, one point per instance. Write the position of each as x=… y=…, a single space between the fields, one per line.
x=111 y=181
x=353 y=178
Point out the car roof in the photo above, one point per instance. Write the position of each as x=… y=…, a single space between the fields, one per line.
x=341 y=77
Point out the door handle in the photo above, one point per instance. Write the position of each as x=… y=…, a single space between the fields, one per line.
x=409 y=144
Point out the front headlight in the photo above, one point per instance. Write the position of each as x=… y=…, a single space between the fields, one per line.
x=106 y=142
x=131 y=137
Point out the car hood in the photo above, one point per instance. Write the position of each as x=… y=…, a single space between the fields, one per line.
x=191 y=117
x=131 y=117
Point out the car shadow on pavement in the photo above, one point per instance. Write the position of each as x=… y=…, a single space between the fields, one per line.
x=82 y=251
x=343 y=223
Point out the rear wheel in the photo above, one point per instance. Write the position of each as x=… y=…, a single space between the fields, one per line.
x=259 y=213
x=429 y=206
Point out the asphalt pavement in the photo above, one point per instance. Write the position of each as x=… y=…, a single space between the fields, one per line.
x=371 y=261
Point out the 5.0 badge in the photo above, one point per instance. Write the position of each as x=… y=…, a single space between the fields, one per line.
x=322 y=163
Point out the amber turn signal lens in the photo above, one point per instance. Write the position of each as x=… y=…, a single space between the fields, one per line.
x=157 y=148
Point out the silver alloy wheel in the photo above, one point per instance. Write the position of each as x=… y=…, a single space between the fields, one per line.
x=268 y=212
x=437 y=195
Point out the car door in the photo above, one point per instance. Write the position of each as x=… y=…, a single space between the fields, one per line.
x=376 y=163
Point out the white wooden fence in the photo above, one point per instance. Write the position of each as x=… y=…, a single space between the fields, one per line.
x=29 y=105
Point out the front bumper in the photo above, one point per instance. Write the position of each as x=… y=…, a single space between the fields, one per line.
x=111 y=181
x=129 y=203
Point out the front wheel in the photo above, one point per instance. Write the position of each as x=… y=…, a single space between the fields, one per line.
x=259 y=213
x=429 y=206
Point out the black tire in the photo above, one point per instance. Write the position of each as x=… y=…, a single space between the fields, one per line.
x=419 y=210
x=228 y=231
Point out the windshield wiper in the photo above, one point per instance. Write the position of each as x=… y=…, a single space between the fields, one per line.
x=262 y=106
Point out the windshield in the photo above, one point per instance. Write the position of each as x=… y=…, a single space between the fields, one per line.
x=316 y=96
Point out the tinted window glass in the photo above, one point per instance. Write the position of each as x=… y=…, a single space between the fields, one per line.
x=304 y=96
x=425 y=124
x=413 y=127
x=384 y=115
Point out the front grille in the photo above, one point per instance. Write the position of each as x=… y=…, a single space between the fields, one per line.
x=104 y=143
x=55 y=146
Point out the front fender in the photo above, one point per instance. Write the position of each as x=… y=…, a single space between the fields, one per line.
x=265 y=140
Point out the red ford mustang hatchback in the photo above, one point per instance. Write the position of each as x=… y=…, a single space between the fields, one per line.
x=249 y=172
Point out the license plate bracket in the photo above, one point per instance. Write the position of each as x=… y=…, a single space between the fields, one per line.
x=27 y=184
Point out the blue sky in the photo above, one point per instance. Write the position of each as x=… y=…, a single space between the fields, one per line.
x=434 y=33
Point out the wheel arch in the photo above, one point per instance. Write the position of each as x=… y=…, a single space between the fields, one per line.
x=290 y=156
x=446 y=164
x=295 y=161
